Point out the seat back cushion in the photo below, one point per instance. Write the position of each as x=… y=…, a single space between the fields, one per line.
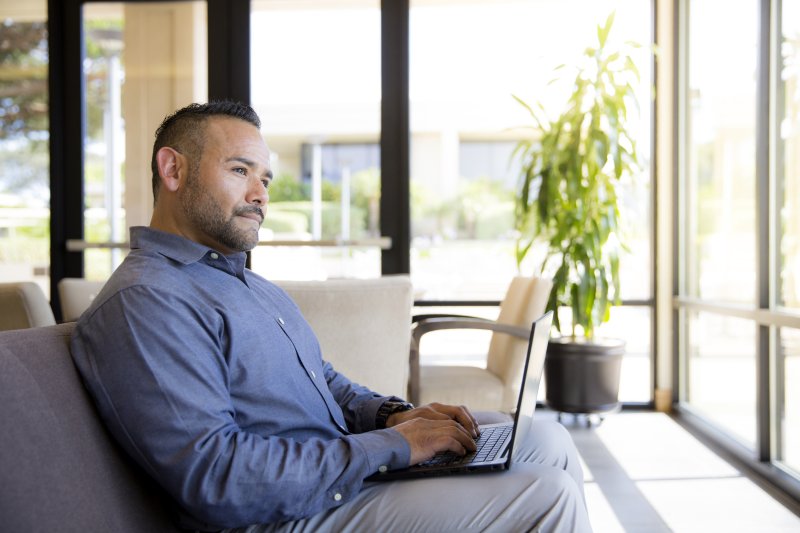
x=363 y=327
x=524 y=302
x=61 y=470
x=76 y=294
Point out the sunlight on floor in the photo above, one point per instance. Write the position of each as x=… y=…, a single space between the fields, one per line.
x=644 y=473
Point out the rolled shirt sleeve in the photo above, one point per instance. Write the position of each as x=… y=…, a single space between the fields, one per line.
x=236 y=416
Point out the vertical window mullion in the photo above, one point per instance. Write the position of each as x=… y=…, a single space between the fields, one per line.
x=777 y=396
x=395 y=210
x=680 y=256
x=763 y=240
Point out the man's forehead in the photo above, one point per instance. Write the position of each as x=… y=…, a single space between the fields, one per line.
x=238 y=138
x=225 y=124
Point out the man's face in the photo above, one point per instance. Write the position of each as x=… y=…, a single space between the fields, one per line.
x=225 y=197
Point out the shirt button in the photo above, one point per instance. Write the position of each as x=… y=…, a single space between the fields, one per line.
x=281 y=321
x=337 y=497
x=382 y=469
x=214 y=255
x=313 y=375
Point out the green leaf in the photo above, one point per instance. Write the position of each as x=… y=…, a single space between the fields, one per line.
x=526 y=106
x=575 y=299
x=601 y=146
x=632 y=68
x=602 y=32
x=614 y=262
x=522 y=251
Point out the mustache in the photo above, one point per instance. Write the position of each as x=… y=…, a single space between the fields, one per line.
x=250 y=209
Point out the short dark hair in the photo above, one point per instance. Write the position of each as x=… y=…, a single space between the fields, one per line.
x=183 y=130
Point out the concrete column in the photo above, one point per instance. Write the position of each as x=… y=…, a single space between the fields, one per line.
x=165 y=69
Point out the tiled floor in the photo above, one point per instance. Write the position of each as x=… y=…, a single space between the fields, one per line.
x=645 y=473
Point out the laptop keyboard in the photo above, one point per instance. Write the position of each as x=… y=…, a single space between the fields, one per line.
x=489 y=443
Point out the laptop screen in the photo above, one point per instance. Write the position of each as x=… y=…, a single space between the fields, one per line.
x=532 y=377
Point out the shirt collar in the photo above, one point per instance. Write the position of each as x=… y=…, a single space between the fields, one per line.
x=181 y=249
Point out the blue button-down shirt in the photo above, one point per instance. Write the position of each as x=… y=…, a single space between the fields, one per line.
x=210 y=378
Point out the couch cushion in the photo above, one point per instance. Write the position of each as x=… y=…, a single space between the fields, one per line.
x=477 y=388
x=60 y=469
x=363 y=327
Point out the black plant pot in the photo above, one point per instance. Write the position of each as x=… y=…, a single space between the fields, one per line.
x=583 y=376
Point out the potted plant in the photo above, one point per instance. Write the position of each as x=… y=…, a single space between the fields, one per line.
x=572 y=168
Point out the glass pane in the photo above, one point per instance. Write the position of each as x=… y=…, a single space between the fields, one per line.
x=469 y=347
x=465 y=125
x=789 y=398
x=24 y=146
x=720 y=151
x=141 y=62
x=789 y=179
x=788 y=355
x=633 y=324
x=721 y=372
x=461 y=347
x=319 y=103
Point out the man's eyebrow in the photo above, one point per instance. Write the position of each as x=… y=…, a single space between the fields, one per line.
x=250 y=163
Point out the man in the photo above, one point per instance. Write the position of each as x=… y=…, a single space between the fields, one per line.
x=213 y=382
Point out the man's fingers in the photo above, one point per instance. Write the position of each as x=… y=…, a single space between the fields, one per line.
x=464 y=417
x=432 y=413
x=459 y=413
x=453 y=439
x=424 y=412
x=428 y=437
x=466 y=442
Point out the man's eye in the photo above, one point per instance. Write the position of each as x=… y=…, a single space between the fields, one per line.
x=240 y=170
x=265 y=183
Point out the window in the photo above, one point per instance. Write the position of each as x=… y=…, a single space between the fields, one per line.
x=315 y=82
x=24 y=145
x=787 y=359
x=739 y=256
x=467 y=59
x=135 y=72
x=720 y=205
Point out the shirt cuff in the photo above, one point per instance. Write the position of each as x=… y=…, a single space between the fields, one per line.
x=384 y=449
x=368 y=411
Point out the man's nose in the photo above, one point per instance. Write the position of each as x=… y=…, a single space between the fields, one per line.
x=258 y=193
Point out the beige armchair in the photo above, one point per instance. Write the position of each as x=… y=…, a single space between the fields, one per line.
x=482 y=389
x=24 y=305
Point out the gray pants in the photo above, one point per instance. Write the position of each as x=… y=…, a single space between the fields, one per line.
x=542 y=491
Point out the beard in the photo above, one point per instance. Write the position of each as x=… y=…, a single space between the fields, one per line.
x=207 y=215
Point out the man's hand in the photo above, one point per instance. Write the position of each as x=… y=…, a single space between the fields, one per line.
x=436 y=428
x=438 y=411
x=428 y=437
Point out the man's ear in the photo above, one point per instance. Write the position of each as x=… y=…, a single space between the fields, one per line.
x=171 y=168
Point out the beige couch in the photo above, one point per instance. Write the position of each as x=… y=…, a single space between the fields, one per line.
x=60 y=469
x=357 y=321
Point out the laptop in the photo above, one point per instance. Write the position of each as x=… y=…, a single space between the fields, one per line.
x=496 y=441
